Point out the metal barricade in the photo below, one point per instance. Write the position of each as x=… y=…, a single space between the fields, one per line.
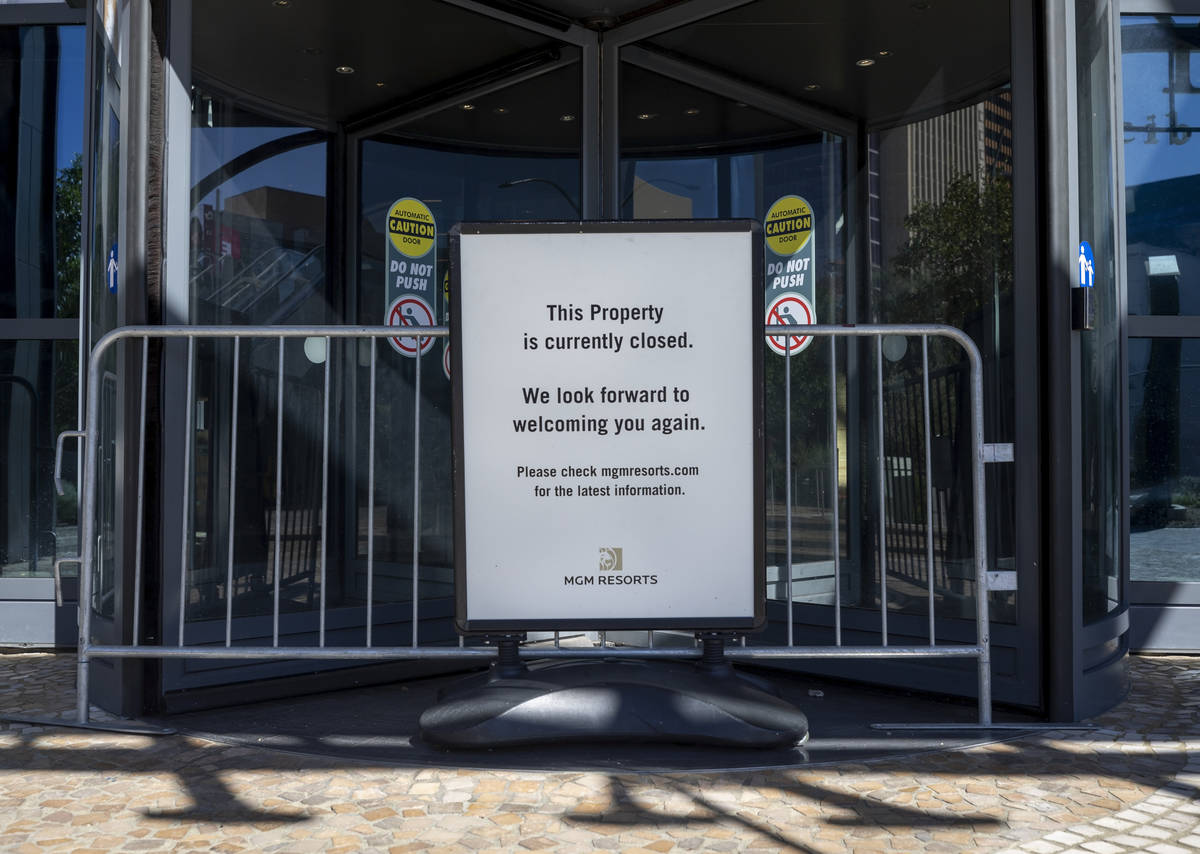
x=87 y=650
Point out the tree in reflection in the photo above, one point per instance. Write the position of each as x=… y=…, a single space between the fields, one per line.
x=958 y=258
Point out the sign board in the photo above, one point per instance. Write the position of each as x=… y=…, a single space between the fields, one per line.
x=607 y=382
x=790 y=236
x=1087 y=265
x=410 y=252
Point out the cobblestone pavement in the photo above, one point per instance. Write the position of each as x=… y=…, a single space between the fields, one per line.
x=1131 y=785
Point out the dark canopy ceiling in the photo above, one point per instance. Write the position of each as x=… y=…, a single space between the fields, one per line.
x=323 y=62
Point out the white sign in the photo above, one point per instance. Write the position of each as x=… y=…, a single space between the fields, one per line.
x=608 y=426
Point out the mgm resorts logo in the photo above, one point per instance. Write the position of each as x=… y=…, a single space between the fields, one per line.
x=610 y=559
x=611 y=567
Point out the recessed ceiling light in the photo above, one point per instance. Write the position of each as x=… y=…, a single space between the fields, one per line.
x=566 y=117
x=812 y=87
x=865 y=63
x=282 y=3
x=467 y=107
x=692 y=111
x=500 y=110
x=344 y=69
x=885 y=53
x=380 y=84
x=645 y=117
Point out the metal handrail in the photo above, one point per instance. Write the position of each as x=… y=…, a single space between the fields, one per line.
x=980 y=650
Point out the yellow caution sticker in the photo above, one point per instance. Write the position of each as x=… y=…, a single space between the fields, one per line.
x=411 y=228
x=788 y=225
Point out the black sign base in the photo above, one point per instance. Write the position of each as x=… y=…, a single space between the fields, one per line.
x=707 y=703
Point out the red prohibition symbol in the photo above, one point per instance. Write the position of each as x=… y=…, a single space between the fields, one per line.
x=790 y=309
x=410 y=311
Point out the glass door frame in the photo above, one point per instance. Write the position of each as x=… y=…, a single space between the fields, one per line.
x=1163 y=614
x=600 y=56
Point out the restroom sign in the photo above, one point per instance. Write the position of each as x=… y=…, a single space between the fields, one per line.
x=607 y=429
x=1087 y=265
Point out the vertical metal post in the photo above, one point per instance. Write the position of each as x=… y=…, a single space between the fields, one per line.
x=188 y=439
x=787 y=477
x=610 y=130
x=837 y=539
x=928 y=484
x=883 y=615
x=416 y=507
x=980 y=524
x=141 y=498
x=88 y=534
x=233 y=445
x=590 y=165
x=371 y=500
x=278 y=498
x=325 y=494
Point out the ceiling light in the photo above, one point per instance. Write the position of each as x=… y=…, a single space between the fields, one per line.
x=865 y=63
x=380 y=84
x=282 y=3
x=692 y=111
x=646 y=116
x=885 y=53
x=467 y=107
x=344 y=69
x=500 y=110
x=812 y=87
x=566 y=117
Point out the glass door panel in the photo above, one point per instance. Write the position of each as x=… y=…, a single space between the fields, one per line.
x=1161 y=80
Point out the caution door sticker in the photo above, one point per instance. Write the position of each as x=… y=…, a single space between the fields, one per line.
x=411 y=228
x=410 y=311
x=789 y=309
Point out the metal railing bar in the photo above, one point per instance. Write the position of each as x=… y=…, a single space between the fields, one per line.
x=837 y=537
x=416 y=506
x=454 y=652
x=323 y=598
x=883 y=603
x=278 y=498
x=980 y=651
x=371 y=501
x=787 y=477
x=928 y=485
x=233 y=446
x=141 y=498
x=188 y=438
x=978 y=487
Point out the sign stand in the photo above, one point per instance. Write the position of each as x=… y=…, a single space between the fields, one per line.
x=608 y=475
x=613 y=700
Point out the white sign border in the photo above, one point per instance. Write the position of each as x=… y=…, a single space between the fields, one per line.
x=704 y=622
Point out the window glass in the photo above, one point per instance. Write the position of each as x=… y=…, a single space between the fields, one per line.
x=1164 y=464
x=38 y=394
x=942 y=252
x=1160 y=69
x=1101 y=414
x=41 y=170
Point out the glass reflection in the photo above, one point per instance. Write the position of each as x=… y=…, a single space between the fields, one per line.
x=1164 y=466
x=942 y=252
x=1160 y=67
